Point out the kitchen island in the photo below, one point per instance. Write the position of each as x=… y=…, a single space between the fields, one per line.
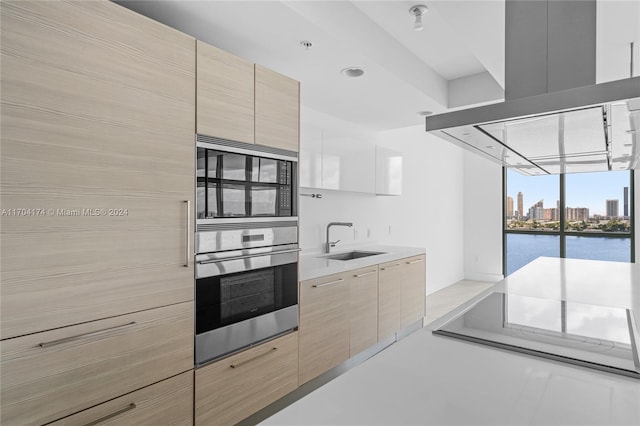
x=431 y=380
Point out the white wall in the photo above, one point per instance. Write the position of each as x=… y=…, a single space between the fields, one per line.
x=428 y=214
x=482 y=219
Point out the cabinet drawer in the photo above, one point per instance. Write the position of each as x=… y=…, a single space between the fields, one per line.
x=46 y=376
x=324 y=324
x=236 y=387
x=169 y=402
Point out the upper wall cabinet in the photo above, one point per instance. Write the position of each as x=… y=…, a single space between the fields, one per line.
x=388 y=171
x=225 y=94
x=348 y=163
x=98 y=108
x=277 y=117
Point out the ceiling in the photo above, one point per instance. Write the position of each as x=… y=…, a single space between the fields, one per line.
x=406 y=71
x=457 y=61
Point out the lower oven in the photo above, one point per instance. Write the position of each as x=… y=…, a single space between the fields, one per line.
x=243 y=297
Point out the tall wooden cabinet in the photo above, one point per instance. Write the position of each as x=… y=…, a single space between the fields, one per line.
x=97 y=121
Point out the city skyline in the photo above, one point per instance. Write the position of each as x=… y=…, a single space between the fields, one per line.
x=583 y=190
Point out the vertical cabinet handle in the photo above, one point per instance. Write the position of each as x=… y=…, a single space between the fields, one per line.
x=112 y=415
x=187 y=253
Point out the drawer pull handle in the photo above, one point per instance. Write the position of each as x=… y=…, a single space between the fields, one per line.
x=253 y=359
x=78 y=336
x=112 y=415
x=365 y=274
x=391 y=267
x=327 y=284
x=415 y=261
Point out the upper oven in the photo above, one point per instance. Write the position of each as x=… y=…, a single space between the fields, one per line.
x=236 y=182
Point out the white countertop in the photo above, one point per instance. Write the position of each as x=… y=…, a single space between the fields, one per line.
x=314 y=265
x=431 y=380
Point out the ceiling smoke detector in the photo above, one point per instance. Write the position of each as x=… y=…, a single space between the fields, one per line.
x=306 y=44
x=352 y=72
x=417 y=11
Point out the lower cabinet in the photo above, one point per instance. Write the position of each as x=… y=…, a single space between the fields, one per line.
x=389 y=299
x=235 y=387
x=324 y=324
x=47 y=376
x=363 y=309
x=414 y=297
x=169 y=402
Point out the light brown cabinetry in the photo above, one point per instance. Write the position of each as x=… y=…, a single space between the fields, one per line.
x=98 y=107
x=389 y=298
x=225 y=94
x=413 y=290
x=363 y=309
x=231 y=389
x=324 y=324
x=277 y=110
x=169 y=402
x=46 y=376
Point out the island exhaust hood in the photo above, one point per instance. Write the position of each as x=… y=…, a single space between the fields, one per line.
x=555 y=119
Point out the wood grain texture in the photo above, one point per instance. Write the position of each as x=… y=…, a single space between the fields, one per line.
x=169 y=402
x=225 y=94
x=413 y=290
x=389 y=298
x=98 y=112
x=226 y=395
x=324 y=325
x=42 y=384
x=363 y=309
x=277 y=110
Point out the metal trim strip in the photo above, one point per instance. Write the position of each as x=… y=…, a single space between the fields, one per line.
x=212 y=142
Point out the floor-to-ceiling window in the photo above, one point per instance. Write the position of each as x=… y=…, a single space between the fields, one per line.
x=581 y=215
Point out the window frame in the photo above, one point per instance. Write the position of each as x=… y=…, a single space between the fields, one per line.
x=562 y=233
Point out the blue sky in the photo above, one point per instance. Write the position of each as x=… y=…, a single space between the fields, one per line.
x=583 y=189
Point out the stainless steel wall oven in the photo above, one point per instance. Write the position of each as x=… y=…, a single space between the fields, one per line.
x=246 y=246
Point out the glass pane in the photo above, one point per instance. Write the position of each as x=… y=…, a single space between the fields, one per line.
x=200 y=202
x=263 y=201
x=264 y=170
x=212 y=200
x=598 y=202
x=523 y=248
x=212 y=163
x=233 y=166
x=532 y=202
x=233 y=201
x=599 y=248
x=200 y=168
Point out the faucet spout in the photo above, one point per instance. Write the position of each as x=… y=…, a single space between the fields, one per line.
x=329 y=244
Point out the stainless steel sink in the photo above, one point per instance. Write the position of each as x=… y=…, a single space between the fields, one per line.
x=352 y=255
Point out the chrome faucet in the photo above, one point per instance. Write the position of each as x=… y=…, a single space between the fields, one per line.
x=329 y=243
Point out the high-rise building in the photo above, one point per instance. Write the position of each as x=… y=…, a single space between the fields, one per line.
x=536 y=211
x=520 y=205
x=626 y=201
x=612 y=208
x=577 y=214
x=509 y=207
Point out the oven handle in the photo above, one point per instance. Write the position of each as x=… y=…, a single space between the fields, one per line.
x=248 y=256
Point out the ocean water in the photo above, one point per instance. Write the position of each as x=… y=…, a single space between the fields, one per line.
x=522 y=249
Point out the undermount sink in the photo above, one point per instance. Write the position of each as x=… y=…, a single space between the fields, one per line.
x=352 y=255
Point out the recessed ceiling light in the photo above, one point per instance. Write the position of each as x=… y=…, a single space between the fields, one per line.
x=306 y=44
x=352 y=72
x=425 y=113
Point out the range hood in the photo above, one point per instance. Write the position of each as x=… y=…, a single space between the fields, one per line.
x=554 y=119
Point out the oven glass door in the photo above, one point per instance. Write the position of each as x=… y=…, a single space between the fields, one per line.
x=227 y=299
x=233 y=185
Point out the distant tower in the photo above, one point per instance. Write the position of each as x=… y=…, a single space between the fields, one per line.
x=626 y=201
x=612 y=208
x=520 y=205
x=509 y=207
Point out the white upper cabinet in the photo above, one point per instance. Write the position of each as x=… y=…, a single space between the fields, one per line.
x=348 y=162
x=388 y=171
x=310 y=157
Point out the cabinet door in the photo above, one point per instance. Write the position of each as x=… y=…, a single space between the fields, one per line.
x=389 y=299
x=348 y=162
x=232 y=389
x=98 y=107
x=413 y=290
x=169 y=402
x=363 y=309
x=277 y=110
x=225 y=91
x=46 y=376
x=324 y=325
